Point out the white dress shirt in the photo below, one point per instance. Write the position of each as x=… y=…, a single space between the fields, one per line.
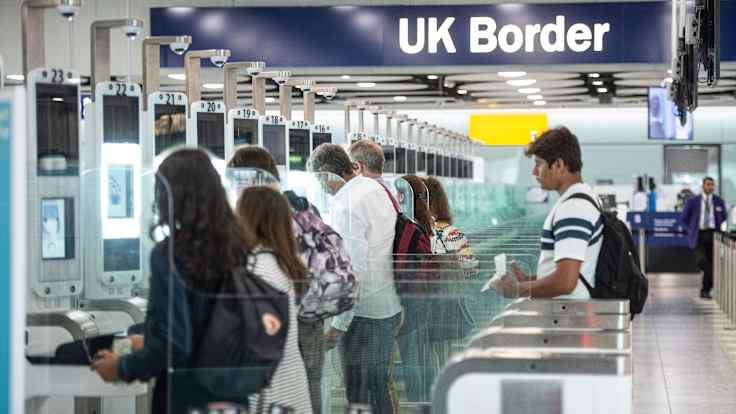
x=364 y=216
x=710 y=221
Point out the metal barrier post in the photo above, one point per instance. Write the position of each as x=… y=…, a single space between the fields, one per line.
x=717 y=282
x=643 y=250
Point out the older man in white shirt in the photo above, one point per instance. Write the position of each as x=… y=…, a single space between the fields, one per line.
x=365 y=218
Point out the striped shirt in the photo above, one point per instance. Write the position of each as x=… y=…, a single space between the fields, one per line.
x=289 y=383
x=573 y=230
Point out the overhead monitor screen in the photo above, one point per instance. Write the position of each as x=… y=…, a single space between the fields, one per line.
x=319 y=138
x=389 y=153
x=120 y=120
x=57 y=228
x=430 y=164
x=298 y=149
x=465 y=169
x=454 y=171
x=411 y=161
x=400 y=160
x=274 y=140
x=439 y=165
x=170 y=127
x=421 y=161
x=57 y=129
x=446 y=167
x=664 y=122
x=211 y=132
x=245 y=132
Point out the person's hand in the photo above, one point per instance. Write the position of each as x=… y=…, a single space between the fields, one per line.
x=508 y=287
x=106 y=365
x=518 y=273
x=509 y=284
x=332 y=336
x=136 y=342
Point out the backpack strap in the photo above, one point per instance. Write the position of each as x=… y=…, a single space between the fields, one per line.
x=391 y=197
x=583 y=196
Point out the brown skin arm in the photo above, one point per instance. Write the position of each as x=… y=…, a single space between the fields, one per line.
x=562 y=282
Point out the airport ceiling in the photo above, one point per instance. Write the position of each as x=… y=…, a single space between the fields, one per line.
x=474 y=87
x=517 y=87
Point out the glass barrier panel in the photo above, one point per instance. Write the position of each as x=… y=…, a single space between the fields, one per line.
x=235 y=180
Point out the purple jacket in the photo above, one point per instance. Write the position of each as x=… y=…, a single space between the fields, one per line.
x=691 y=216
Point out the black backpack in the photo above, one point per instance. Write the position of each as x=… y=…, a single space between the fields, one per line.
x=244 y=339
x=618 y=274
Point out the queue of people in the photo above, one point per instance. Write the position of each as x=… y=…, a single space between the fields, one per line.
x=315 y=273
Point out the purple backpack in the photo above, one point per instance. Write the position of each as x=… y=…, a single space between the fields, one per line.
x=333 y=288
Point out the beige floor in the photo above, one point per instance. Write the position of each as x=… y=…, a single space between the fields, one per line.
x=684 y=353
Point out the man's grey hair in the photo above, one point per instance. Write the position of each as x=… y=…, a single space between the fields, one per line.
x=330 y=158
x=369 y=153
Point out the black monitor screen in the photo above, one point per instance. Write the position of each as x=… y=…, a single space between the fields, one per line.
x=120 y=120
x=446 y=167
x=421 y=161
x=170 y=126
x=211 y=132
x=274 y=140
x=439 y=165
x=400 y=160
x=57 y=129
x=121 y=254
x=430 y=164
x=664 y=122
x=411 y=161
x=454 y=170
x=389 y=153
x=298 y=149
x=245 y=132
x=319 y=138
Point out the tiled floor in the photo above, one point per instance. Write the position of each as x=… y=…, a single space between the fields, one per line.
x=684 y=353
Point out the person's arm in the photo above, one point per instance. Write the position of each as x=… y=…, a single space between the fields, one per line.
x=576 y=224
x=151 y=359
x=562 y=281
x=687 y=211
x=353 y=229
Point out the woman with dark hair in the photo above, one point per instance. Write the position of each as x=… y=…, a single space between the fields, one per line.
x=207 y=242
x=451 y=320
x=416 y=358
x=268 y=214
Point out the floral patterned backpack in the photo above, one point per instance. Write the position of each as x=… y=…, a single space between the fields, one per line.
x=333 y=288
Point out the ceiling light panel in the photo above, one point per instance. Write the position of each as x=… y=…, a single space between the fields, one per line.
x=494 y=77
x=500 y=86
x=521 y=82
x=547 y=92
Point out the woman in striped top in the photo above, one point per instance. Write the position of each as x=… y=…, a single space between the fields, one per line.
x=267 y=214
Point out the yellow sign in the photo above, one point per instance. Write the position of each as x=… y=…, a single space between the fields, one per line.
x=507 y=128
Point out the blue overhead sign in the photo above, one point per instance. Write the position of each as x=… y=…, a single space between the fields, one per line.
x=432 y=35
x=660 y=228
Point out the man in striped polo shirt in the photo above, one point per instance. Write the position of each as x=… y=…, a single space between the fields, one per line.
x=572 y=234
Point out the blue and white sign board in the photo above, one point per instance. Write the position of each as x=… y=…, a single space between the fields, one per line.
x=12 y=249
x=661 y=228
x=502 y=34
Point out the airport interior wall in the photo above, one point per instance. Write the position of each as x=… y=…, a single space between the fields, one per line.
x=607 y=135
